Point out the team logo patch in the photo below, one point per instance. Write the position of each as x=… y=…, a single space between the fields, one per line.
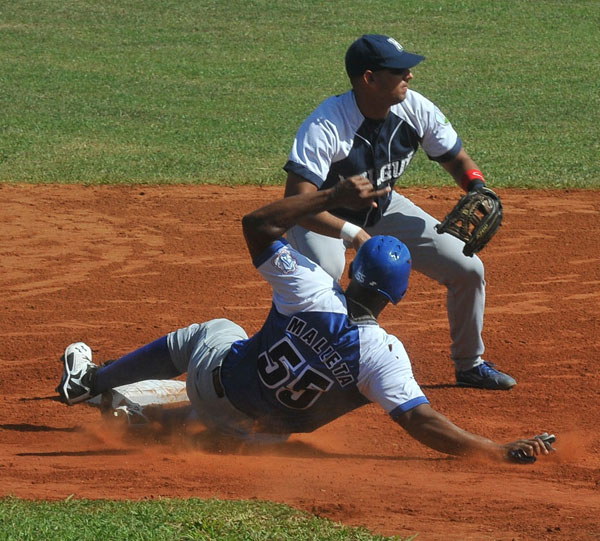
x=440 y=117
x=395 y=44
x=285 y=261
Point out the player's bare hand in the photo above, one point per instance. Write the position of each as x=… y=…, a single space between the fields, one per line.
x=357 y=192
x=526 y=450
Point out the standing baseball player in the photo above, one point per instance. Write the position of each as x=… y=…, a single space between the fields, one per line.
x=374 y=130
x=319 y=355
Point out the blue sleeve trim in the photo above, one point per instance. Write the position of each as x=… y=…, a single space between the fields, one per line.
x=300 y=170
x=451 y=154
x=269 y=252
x=403 y=408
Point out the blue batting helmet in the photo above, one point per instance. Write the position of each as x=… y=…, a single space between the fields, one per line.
x=383 y=264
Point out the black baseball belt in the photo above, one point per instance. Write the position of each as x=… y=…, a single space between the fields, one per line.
x=216 y=377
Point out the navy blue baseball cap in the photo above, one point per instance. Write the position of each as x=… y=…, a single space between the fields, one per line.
x=375 y=52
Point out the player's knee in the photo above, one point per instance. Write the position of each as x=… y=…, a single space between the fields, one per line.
x=333 y=267
x=196 y=333
x=471 y=270
x=182 y=343
x=192 y=333
x=331 y=262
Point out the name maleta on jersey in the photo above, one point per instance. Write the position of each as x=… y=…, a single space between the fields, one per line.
x=321 y=346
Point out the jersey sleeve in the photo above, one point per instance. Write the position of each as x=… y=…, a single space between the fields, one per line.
x=313 y=150
x=439 y=140
x=299 y=284
x=386 y=375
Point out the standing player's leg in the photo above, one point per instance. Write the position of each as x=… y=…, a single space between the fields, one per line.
x=440 y=257
x=327 y=252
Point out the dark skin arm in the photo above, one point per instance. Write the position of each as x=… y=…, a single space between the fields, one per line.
x=267 y=224
x=323 y=222
x=436 y=431
x=459 y=165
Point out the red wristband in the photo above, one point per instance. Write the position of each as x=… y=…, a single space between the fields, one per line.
x=471 y=176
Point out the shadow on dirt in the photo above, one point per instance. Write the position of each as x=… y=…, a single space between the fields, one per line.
x=96 y=452
x=26 y=427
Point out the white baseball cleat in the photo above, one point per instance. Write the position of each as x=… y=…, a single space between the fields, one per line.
x=77 y=380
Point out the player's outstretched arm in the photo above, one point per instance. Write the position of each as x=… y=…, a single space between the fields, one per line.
x=436 y=431
x=267 y=224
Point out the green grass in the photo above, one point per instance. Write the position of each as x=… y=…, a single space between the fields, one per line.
x=166 y=91
x=162 y=520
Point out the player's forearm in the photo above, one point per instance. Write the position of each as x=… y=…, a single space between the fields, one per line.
x=329 y=225
x=463 y=170
x=436 y=431
x=453 y=440
x=275 y=219
x=323 y=223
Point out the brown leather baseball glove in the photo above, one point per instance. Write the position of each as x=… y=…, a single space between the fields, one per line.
x=474 y=220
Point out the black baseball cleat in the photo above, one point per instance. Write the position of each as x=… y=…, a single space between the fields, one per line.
x=485 y=376
x=79 y=374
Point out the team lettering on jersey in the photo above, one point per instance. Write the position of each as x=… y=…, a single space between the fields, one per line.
x=393 y=170
x=388 y=172
x=321 y=346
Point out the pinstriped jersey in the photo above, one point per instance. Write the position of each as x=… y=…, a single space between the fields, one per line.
x=337 y=141
x=309 y=364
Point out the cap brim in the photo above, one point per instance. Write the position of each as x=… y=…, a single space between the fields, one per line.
x=404 y=61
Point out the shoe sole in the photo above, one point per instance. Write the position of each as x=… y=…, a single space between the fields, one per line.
x=473 y=386
x=64 y=395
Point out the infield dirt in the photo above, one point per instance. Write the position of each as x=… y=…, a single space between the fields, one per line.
x=117 y=267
